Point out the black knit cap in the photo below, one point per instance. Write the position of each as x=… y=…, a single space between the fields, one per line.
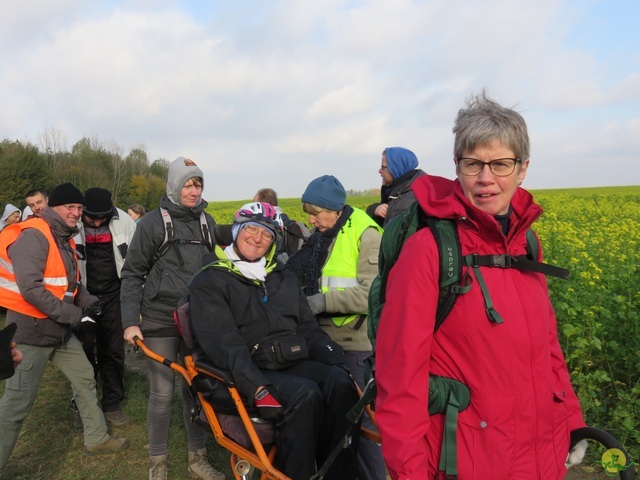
x=99 y=204
x=65 y=193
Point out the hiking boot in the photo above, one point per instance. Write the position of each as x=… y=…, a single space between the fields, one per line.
x=158 y=467
x=117 y=418
x=113 y=444
x=199 y=467
x=77 y=423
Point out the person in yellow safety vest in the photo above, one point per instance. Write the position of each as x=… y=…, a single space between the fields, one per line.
x=336 y=268
x=40 y=287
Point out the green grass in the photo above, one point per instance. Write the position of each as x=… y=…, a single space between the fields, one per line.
x=49 y=449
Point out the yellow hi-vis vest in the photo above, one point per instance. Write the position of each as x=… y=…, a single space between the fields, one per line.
x=54 y=276
x=341 y=270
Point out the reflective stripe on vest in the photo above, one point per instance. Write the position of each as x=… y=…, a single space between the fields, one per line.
x=54 y=275
x=341 y=270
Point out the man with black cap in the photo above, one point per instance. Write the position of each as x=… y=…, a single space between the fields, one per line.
x=106 y=234
x=41 y=289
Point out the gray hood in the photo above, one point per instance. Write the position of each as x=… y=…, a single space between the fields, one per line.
x=180 y=171
x=8 y=210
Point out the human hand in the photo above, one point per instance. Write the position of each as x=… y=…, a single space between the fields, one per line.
x=131 y=332
x=381 y=210
x=576 y=454
x=317 y=303
x=93 y=311
x=268 y=407
x=16 y=355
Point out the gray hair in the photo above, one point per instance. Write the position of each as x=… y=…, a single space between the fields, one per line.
x=483 y=121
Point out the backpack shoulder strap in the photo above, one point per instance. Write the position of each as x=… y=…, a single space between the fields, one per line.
x=396 y=233
x=533 y=249
x=206 y=233
x=445 y=234
x=169 y=234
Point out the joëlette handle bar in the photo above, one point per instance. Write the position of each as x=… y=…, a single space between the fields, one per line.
x=609 y=441
x=154 y=356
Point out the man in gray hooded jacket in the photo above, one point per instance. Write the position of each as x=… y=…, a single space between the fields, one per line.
x=166 y=250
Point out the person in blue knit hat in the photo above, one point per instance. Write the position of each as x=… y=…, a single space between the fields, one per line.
x=336 y=267
x=398 y=169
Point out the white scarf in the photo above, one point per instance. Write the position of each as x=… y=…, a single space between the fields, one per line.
x=252 y=270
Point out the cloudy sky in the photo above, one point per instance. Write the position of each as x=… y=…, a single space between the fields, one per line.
x=276 y=93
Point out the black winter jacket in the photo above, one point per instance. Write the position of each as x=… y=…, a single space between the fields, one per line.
x=151 y=289
x=230 y=314
x=398 y=195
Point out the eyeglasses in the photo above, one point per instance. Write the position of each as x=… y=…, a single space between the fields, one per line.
x=383 y=167
x=258 y=232
x=500 y=167
x=72 y=208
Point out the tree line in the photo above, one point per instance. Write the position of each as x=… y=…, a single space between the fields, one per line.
x=130 y=176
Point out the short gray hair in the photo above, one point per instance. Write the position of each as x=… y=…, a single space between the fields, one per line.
x=485 y=120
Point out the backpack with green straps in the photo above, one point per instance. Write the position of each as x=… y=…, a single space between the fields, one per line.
x=446 y=395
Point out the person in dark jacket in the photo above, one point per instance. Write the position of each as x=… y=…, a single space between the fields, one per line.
x=41 y=289
x=166 y=250
x=258 y=304
x=106 y=232
x=398 y=169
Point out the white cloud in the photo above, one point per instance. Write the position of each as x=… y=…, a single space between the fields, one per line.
x=285 y=91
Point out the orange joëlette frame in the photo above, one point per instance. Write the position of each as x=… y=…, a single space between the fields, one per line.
x=239 y=454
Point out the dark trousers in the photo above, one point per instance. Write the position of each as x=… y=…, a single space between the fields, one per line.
x=105 y=351
x=316 y=398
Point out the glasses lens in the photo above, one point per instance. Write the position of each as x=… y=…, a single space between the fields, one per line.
x=469 y=166
x=502 y=167
x=258 y=232
x=73 y=208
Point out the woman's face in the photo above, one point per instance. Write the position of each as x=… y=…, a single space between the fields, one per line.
x=324 y=220
x=253 y=242
x=486 y=191
x=133 y=215
x=13 y=218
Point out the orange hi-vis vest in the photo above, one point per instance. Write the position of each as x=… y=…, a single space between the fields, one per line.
x=54 y=276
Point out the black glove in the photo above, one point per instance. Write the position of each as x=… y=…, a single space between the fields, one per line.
x=93 y=311
x=7 y=369
x=86 y=329
x=268 y=407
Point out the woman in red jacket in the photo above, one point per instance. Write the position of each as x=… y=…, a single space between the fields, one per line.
x=523 y=406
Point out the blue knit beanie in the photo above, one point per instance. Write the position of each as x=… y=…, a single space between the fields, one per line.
x=400 y=161
x=326 y=192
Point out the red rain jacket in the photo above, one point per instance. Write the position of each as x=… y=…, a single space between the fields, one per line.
x=523 y=406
